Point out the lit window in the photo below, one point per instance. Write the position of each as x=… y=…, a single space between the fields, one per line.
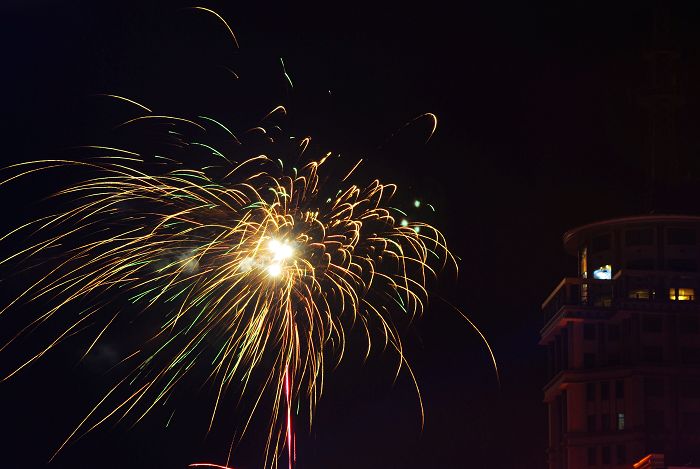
x=681 y=294
x=604 y=272
x=686 y=294
x=620 y=420
x=584 y=262
x=639 y=294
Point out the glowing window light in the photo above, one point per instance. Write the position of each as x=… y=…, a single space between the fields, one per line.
x=681 y=294
x=640 y=294
x=604 y=272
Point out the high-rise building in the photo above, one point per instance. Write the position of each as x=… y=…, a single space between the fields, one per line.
x=623 y=345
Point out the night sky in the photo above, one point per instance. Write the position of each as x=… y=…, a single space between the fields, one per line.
x=540 y=130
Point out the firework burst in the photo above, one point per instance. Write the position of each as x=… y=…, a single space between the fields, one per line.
x=259 y=267
x=255 y=270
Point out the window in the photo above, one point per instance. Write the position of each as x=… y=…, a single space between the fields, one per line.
x=620 y=420
x=626 y=328
x=591 y=423
x=643 y=237
x=604 y=272
x=656 y=445
x=600 y=243
x=590 y=392
x=619 y=389
x=564 y=416
x=690 y=355
x=604 y=391
x=690 y=422
x=681 y=236
x=605 y=422
x=589 y=331
x=685 y=294
x=652 y=354
x=604 y=301
x=640 y=294
x=654 y=387
x=591 y=456
x=613 y=358
x=690 y=388
x=621 y=453
x=655 y=420
x=683 y=265
x=641 y=264
x=583 y=262
x=652 y=324
x=605 y=455
x=613 y=332
x=588 y=360
x=681 y=294
x=690 y=325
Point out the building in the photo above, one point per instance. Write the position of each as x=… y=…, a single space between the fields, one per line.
x=656 y=461
x=623 y=345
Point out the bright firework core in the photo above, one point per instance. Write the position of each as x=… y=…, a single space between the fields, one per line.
x=281 y=251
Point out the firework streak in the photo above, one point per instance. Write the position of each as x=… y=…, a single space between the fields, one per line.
x=254 y=268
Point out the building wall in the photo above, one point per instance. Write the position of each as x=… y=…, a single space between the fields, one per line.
x=624 y=354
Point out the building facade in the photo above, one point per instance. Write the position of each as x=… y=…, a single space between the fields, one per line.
x=623 y=345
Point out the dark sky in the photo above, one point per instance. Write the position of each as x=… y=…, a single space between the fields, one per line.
x=540 y=130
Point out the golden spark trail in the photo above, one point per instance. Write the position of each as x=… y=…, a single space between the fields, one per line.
x=250 y=266
x=255 y=270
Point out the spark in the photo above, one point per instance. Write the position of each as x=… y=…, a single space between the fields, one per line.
x=257 y=270
x=286 y=75
x=233 y=36
x=206 y=464
x=122 y=98
x=245 y=267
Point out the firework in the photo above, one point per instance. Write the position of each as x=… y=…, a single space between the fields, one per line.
x=262 y=266
x=256 y=271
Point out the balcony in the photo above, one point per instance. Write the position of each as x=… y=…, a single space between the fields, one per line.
x=628 y=289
